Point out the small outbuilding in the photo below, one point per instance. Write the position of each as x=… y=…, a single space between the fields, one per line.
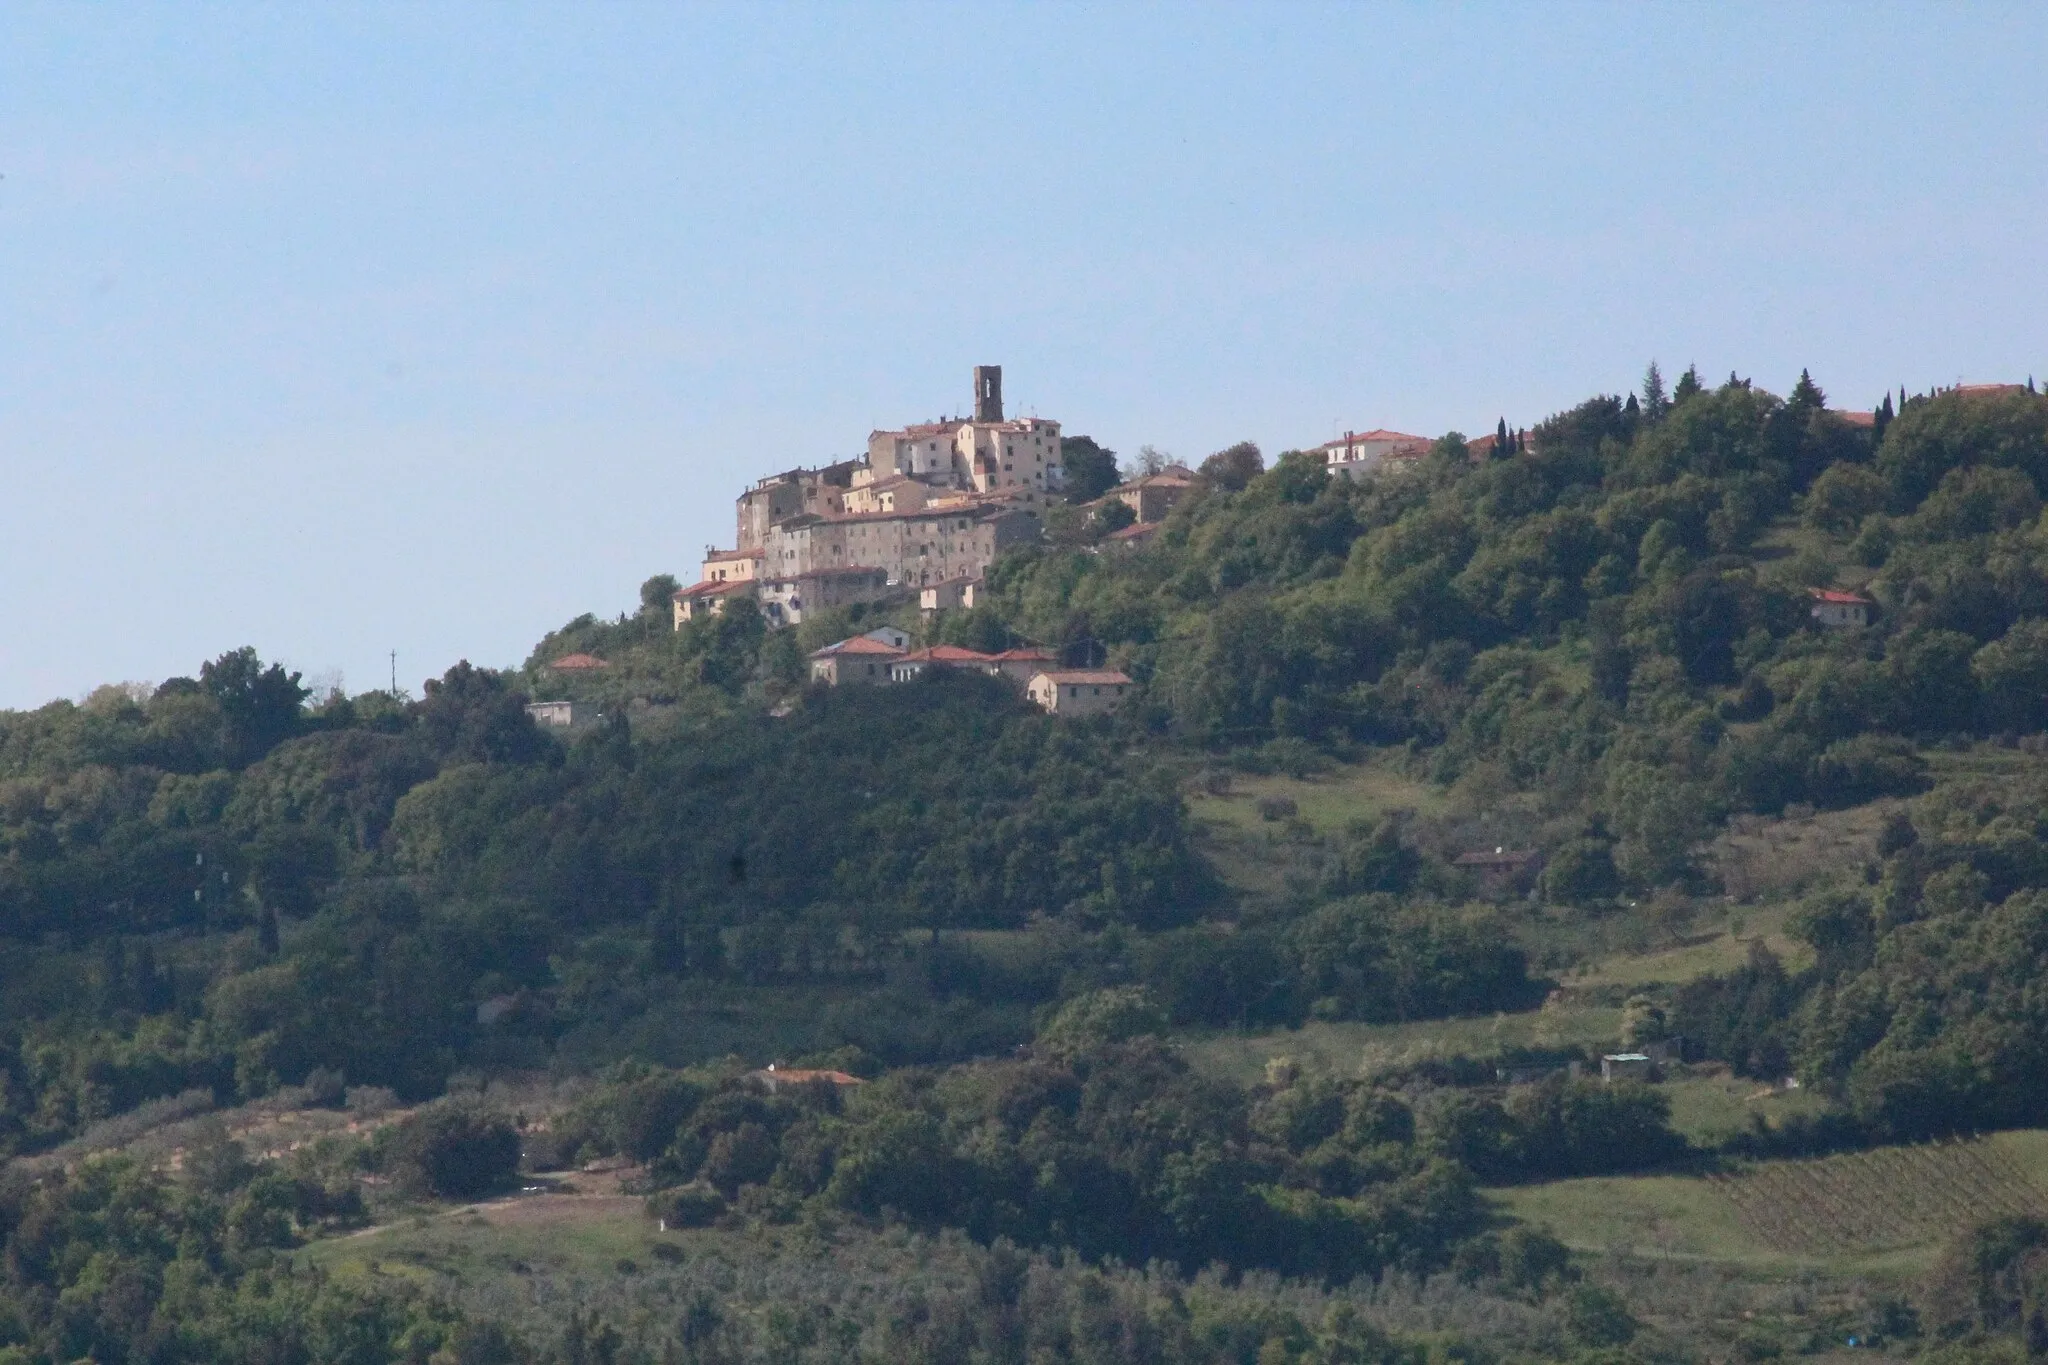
x=1504 y=871
x=1837 y=610
x=772 y=1078
x=1626 y=1066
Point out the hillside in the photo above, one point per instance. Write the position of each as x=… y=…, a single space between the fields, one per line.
x=1212 y=982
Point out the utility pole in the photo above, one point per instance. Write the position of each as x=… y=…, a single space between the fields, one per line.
x=394 y=675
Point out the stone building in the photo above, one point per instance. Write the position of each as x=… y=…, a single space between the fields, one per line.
x=1079 y=692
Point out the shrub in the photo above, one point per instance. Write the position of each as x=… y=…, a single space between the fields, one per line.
x=1105 y=1016
x=1581 y=871
x=695 y=1205
x=451 y=1151
x=1852 y=771
x=1276 y=808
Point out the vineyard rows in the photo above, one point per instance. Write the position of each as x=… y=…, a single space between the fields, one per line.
x=1878 y=1200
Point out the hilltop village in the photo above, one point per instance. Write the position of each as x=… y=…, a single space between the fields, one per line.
x=921 y=516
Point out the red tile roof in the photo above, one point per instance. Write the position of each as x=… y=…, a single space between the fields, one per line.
x=575 y=661
x=1858 y=419
x=859 y=644
x=1023 y=656
x=801 y=1075
x=717 y=555
x=1143 y=530
x=949 y=654
x=712 y=589
x=1844 y=598
x=1086 y=676
x=1380 y=434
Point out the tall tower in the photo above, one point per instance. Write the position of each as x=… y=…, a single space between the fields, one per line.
x=988 y=393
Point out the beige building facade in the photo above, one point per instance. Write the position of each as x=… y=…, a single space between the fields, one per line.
x=1079 y=692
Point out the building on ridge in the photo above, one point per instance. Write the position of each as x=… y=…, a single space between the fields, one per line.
x=1357 y=454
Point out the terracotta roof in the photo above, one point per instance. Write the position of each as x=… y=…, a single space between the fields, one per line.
x=708 y=589
x=1086 y=676
x=949 y=654
x=575 y=661
x=1023 y=656
x=1844 y=598
x=1143 y=530
x=716 y=555
x=859 y=644
x=801 y=1076
x=1977 y=389
x=1380 y=434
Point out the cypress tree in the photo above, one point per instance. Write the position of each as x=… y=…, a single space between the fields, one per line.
x=1500 y=440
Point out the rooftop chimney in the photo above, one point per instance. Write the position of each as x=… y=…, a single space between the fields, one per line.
x=988 y=393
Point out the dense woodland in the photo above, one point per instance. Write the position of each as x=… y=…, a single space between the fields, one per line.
x=222 y=887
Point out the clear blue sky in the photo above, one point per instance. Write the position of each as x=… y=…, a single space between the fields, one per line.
x=336 y=330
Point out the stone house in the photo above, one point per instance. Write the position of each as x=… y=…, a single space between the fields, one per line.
x=1079 y=692
x=950 y=595
x=785 y=599
x=910 y=666
x=709 y=598
x=860 y=660
x=1153 y=496
x=1023 y=664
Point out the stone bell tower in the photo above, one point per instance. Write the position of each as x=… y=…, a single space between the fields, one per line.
x=988 y=393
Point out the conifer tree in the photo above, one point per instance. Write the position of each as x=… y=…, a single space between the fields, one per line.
x=1655 y=401
x=1807 y=394
x=1688 y=385
x=1881 y=419
x=1500 y=440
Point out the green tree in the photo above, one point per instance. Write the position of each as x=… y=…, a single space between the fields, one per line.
x=1090 y=469
x=260 y=705
x=657 y=596
x=452 y=1151
x=1234 y=467
x=1655 y=401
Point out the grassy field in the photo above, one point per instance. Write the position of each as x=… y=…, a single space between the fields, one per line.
x=1709 y=1105
x=1367 y=1049
x=1328 y=801
x=1889 y=1209
x=1720 y=948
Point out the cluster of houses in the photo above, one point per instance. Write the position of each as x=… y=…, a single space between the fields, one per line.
x=924 y=512
x=884 y=656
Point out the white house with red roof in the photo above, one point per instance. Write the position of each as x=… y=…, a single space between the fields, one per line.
x=1838 y=610
x=1357 y=454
